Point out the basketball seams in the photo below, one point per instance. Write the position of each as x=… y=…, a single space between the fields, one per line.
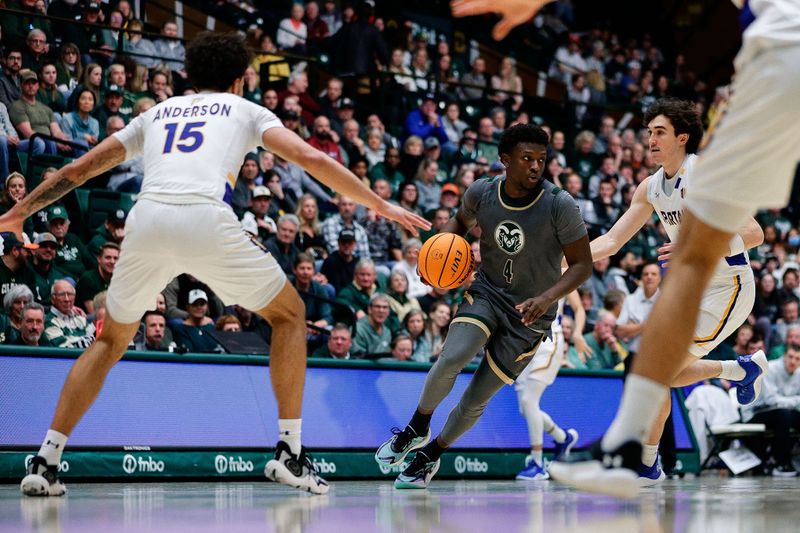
x=429 y=245
x=445 y=263
x=468 y=265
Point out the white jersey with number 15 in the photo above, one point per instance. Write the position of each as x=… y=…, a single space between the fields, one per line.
x=193 y=146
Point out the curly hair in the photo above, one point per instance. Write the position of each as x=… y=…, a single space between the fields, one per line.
x=522 y=133
x=683 y=116
x=215 y=60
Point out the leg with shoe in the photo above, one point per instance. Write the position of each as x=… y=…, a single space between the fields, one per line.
x=537 y=376
x=613 y=465
x=463 y=341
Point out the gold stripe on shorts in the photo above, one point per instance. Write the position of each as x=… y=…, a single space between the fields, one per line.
x=496 y=369
x=474 y=322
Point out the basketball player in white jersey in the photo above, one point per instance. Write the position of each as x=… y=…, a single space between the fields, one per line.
x=675 y=133
x=540 y=373
x=192 y=148
x=758 y=131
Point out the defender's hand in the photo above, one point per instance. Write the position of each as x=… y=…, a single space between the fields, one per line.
x=514 y=12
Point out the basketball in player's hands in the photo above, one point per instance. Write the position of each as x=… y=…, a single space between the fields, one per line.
x=446 y=261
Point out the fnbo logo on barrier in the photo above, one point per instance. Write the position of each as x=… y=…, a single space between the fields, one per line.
x=224 y=464
x=131 y=464
x=63 y=466
x=469 y=464
x=324 y=467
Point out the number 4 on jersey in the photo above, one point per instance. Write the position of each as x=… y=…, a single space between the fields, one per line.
x=508 y=270
x=190 y=139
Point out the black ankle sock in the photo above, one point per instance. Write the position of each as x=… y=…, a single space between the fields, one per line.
x=432 y=450
x=420 y=423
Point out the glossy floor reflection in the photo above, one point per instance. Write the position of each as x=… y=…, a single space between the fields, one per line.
x=708 y=504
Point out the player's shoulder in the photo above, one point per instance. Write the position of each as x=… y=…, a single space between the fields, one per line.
x=481 y=186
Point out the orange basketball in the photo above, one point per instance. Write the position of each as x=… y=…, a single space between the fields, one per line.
x=446 y=260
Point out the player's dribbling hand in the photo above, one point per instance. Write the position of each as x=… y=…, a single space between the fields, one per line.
x=407 y=219
x=664 y=254
x=514 y=12
x=533 y=308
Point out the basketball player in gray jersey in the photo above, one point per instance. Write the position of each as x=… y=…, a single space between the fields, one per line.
x=527 y=226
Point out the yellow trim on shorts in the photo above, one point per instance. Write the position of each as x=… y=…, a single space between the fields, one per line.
x=474 y=322
x=728 y=310
x=549 y=359
x=468 y=297
x=507 y=380
x=530 y=353
x=500 y=197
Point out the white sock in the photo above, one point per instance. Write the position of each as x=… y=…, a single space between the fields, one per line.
x=53 y=447
x=289 y=432
x=649 y=454
x=732 y=371
x=537 y=456
x=642 y=399
x=558 y=434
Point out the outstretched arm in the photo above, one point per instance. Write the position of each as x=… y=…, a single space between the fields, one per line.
x=626 y=227
x=289 y=146
x=514 y=12
x=574 y=301
x=104 y=156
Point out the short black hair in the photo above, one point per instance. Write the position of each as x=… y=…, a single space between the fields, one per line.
x=215 y=60
x=522 y=133
x=683 y=116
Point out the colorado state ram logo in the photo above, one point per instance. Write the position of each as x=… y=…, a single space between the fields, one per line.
x=509 y=237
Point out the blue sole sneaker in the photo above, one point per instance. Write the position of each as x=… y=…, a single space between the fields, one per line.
x=755 y=367
x=650 y=476
x=562 y=449
x=533 y=472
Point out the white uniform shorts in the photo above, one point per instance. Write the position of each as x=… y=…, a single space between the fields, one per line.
x=545 y=363
x=751 y=160
x=205 y=240
x=725 y=307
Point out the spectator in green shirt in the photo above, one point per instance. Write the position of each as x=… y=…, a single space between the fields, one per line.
x=42 y=272
x=64 y=326
x=31 y=332
x=607 y=351
x=338 y=346
x=71 y=255
x=97 y=280
x=372 y=334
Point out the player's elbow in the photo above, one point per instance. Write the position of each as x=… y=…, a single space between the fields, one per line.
x=311 y=159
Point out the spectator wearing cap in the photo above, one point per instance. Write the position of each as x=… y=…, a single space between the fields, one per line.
x=339 y=267
x=171 y=48
x=345 y=219
x=80 y=125
x=113 y=99
x=344 y=110
x=112 y=230
x=31 y=331
x=425 y=122
x=429 y=189
x=257 y=219
x=97 y=280
x=449 y=198
x=496 y=169
x=193 y=332
x=281 y=245
x=65 y=327
x=72 y=257
x=322 y=139
x=249 y=178
x=176 y=297
x=433 y=151
x=14 y=261
x=87 y=36
x=373 y=334
x=30 y=116
x=42 y=272
x=629 y=85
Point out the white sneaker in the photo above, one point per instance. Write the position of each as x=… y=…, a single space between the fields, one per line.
x=418 y=473
x=297 y=472
x=42 y=479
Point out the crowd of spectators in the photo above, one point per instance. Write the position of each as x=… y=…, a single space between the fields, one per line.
x=355 y=270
